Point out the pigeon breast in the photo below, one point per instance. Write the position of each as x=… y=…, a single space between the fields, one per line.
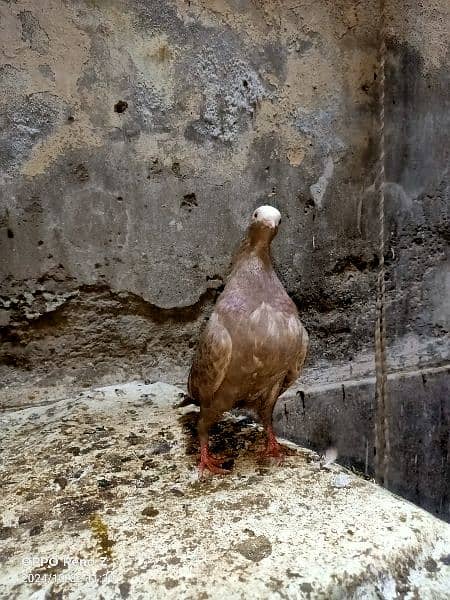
x=254 y=340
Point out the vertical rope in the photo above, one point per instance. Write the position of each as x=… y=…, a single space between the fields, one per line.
x=382 y=408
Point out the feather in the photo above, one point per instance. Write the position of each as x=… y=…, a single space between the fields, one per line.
x=210 y=362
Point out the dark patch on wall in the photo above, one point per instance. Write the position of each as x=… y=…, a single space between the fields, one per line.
x=417 y=113
x=33 y=33
x=119 y=329
x=47 y=71
x=417 y=116
x=189 y=201
x=81 y=172
x=120 y=106
x=24 y=121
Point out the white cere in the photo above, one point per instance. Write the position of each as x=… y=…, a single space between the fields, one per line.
x=268 y=214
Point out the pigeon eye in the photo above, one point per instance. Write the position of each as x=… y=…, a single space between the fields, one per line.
x=255 y=214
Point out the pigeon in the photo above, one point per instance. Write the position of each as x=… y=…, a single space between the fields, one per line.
x=253 y=346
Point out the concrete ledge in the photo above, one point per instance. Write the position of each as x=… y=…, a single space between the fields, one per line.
x=342 y=415
x=101 y=499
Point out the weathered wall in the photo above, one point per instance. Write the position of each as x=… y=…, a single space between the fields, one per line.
x=417 y=144
x=137 y=137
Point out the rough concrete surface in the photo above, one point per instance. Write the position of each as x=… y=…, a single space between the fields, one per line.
x=101 y=499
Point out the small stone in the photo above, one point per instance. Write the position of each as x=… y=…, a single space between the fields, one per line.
x=292 y=574
x=24 y=519
x=124 y=589
x=146 y=481
x=341 y=480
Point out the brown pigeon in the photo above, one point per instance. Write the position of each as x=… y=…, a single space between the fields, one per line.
x=254 y=344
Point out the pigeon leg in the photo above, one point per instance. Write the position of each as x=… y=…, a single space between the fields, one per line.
x=210 y=462
x=273 y=448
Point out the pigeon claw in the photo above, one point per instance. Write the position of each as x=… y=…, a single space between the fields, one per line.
x=211 y=463
x=273 y=452
x=273 y=448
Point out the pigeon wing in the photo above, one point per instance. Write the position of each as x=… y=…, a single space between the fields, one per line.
x=210 y=362
x=296 y=368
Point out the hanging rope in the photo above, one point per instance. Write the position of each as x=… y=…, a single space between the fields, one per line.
x=382 y=407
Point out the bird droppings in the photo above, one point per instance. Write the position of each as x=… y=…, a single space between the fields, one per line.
x=124 y=521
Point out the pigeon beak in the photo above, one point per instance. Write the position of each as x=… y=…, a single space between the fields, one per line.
x=268 y=223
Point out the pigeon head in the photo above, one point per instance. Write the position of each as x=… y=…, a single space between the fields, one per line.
x=264 y=224
x=266 y=216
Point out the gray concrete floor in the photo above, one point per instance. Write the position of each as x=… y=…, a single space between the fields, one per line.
x=101 y=498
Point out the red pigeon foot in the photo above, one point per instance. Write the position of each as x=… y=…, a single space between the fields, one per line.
x=216 y=460
x=273 y=448
x=210 y=462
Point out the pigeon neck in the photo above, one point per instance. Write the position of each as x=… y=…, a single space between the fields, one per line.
x=259 y=238
x=256 y=243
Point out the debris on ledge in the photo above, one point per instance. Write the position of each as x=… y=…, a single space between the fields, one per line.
x=101 y=498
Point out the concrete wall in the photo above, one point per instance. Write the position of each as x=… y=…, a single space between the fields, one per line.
x=136 y=139
x=118 y=227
